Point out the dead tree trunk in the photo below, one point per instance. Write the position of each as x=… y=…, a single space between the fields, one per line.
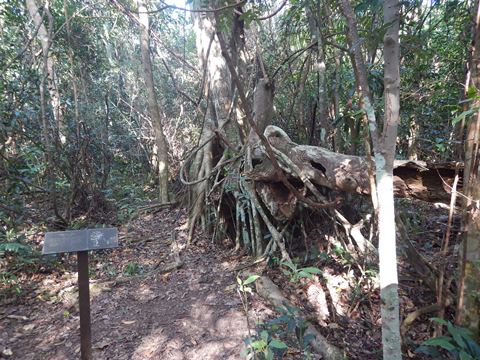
x=339 y=172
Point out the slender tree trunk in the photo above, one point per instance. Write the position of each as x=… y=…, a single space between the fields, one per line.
x=313 y=13
x=384 y=151
x=106 y=156
x=384 y=159
x=360 y=69
x=45 y=39
x=153 y=103
x=263 y=113
x=468 y=306
x=75 y=170
x=338 y=138
x=237 y=47
x=71 y=60
x=413 y=140
x=366 y=99
x=302 y=99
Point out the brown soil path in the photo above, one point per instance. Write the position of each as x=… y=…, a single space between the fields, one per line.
x=192 y=312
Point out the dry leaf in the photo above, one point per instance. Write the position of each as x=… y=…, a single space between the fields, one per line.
x=7 y=352
x=28 y=327
x=17 y=317
x=102 y=344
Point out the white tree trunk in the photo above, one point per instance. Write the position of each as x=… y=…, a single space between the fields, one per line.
x=384 y=151
x=384 y=158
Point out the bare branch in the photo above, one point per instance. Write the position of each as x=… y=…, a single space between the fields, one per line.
x=275 y=12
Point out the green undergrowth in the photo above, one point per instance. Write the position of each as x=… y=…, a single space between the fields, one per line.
x=458 y=343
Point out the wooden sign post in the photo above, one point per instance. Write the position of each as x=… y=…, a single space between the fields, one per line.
x=81 y=241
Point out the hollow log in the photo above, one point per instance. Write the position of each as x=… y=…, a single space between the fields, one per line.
x=431 y=182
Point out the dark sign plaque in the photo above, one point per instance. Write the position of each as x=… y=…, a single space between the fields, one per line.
x=81 y=241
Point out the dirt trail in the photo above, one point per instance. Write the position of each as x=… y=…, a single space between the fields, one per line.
x=193 y=312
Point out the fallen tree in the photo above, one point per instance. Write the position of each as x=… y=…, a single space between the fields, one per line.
x=307 y=166
x=249 y=197
x=249 y=181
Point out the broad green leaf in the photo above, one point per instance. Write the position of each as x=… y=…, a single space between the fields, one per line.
x=439 y=320
x=464 y=356
x=303 y=274
x=307 y=338
x=312 y=270
x=268 y=354
x=463 y=115
x=251 y=279
x=466 y=333
x=457 y=336
x=289 y=265
x=264 y=335
x=429 y=350
x=291 y=326
x=286 y=272
x=277 y=344
x=473 y=347
x=442 y=341
x=247 y=341
x=259 y=344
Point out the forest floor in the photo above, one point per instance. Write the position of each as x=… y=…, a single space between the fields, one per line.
x=191 y=312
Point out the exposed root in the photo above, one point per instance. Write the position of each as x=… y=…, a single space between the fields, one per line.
x=276 y=235
x=416 y=314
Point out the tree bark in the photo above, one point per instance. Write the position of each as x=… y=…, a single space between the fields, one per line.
x=340 y=172
x=45 y=41
x=384 y=151
x=360 y=69
x=45 y=38
x=216 y=70
x=153 y=106
x=384 y=158
x=468 y=305
x=313 y=14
